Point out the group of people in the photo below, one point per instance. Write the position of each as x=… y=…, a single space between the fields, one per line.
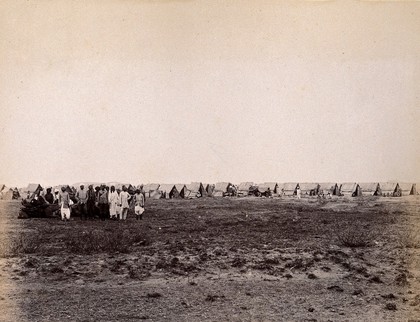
x=107 y=202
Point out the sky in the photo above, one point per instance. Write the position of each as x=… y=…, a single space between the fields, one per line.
x=181 y=91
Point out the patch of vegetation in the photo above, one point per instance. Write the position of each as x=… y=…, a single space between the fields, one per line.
x=409 y=239
x=118 y=240
x=83 y=240
x=20 y=245
x=355 y=236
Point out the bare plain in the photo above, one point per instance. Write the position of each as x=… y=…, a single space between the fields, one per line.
x=217 y=259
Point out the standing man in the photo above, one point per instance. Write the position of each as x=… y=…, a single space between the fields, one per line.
x=139 y=204
x=298 y=192
x=124 y=198
x=118 y=208
x=82 y=198
x=113 y=202
x=65 y=204
x=102 y=202
x=90 y=202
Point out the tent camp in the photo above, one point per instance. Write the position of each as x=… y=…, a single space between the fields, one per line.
x=194 y=190
x=244 y=189
x=221 y=189
x=31 y=190
x=168 y=191
x=309 y=189
x=407 y=189
x=351 y=189
x=370 y=188
x=390 y=189
x=289 y=188
x=181 y=188
x=328 y=187
x=268 y=188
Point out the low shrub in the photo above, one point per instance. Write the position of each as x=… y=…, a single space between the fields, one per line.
x=355 y=237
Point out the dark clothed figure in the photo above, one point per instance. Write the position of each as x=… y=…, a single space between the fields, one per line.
x=82 y=198
x=91 y=199
x=102 y=202
x=49 y=197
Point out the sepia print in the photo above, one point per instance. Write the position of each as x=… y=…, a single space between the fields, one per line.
x=209 y=160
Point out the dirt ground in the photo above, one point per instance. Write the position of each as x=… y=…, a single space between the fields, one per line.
x=225 y=259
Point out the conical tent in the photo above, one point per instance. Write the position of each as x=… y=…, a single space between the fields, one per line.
x=150 y=189
x=390 y=189
x=181 y=188
x=310 y=189
x=265 y=187
x=220 y=189
x=328 y=187
x=31 y=190
x=351 y=189
x=289 y=188
x=407 y=189
x=370 y=188
x=10 y=194
x=168 y=191
x=194 y=190
x=244 y=188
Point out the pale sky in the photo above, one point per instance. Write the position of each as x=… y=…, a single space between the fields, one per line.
x=181 y=91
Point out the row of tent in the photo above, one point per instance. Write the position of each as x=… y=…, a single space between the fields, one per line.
x=221 y=189
x=352 y=189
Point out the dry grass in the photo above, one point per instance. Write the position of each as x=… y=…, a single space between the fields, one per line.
x=75 y=240
x=20 y=245
x=356 y=236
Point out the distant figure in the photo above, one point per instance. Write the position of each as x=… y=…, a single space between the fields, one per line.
x=102 y=202
x=90 y=203
x=113 y=202
x=118 y=207
x=124 y=198
x=82 y=198
x=143 y=192
x=49 y=196
x=139 y=204
x=65 y=204
x=298 y=192
x=107 y=215
x=56 y=196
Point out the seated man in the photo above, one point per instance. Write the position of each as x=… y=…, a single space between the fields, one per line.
x=38 y=200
